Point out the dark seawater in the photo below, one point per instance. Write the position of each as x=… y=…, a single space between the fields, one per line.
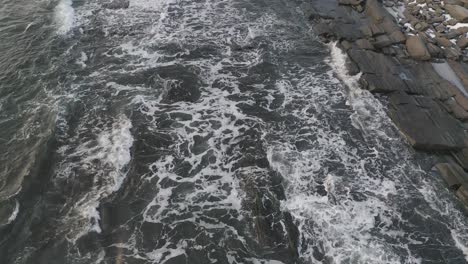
x=202 y=131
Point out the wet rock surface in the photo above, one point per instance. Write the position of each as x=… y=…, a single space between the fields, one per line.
x=414 y=52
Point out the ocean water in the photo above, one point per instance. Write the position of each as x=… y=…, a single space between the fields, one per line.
x=202 y=131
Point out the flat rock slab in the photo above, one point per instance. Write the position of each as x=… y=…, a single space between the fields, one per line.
x=422 y=79
x=425 y=123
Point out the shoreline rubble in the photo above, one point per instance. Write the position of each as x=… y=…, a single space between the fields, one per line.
x=415 y=52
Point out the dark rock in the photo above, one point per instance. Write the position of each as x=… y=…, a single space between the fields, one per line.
x=345 y=45
x=457 y=110
x=452 y=53
x=350 y=2
x=384 y=83
x=461 y=157
x=421 y=78
x=453 y=34
x=382 y=41
x=397 y=37
x=352 y=67
x=453 y=175
x=434 y=50
x=371 y=62
x=462 y=194
x=389 y=25
x=117 y=4
x=444 y=42
x=371 y=30
x=364 y=44
x=461 y=70
x=462 y=42
x=425 y=124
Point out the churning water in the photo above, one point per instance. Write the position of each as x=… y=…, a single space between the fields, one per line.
x=202 y=131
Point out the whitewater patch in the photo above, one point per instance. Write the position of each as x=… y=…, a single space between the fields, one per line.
x=369 y=114
x=106 y=160
x=64 y=16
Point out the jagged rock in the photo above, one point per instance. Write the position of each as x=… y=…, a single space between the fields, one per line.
x=461 y=70
x=375 y=10
x=422 y=79
x=372 y=30
x=434 y=50
x=440 y=28
x=417 y=49
x=381 y=83
x=457 y=110
x=451 y=22
x=421 y=26
x=352 y=67
x=462 y=194
x=397 y=37
x=443 y=42
x=462 y=42
x=345 y=45
x=371 y=62
x=462 y=30
x=453 y=2
x=461 y=157
x=452 y=53
x=425 y=124
x=390 y=51
x=382 y=41
x=458 y=12
x=389 y=25
x=438 y=19
x=453 y=34
x=453 y=175
x=459 y=97
x=364 y=44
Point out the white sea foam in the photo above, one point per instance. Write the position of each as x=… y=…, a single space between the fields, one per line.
x=112 y=151
x=64 y=16
x=14 y=214
x=82 y=60
x=369 y=114
x=338 y=223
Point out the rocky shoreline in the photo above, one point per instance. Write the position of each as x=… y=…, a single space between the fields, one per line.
x=415 y=52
